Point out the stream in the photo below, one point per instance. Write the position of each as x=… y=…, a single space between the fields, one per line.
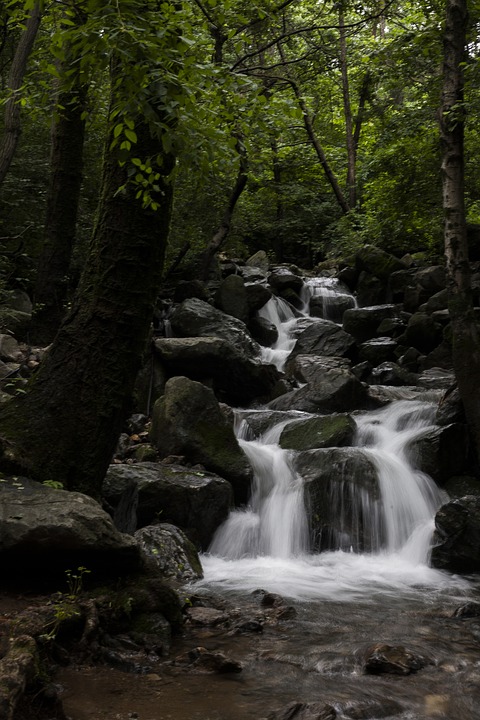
x=331 y=605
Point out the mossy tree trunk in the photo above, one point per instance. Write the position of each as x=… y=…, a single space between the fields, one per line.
x=66 y=426
x=465 y=331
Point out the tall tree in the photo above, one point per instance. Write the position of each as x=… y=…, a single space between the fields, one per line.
x=465 y=331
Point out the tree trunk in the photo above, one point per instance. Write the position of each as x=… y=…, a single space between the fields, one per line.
x=347 y=111
x=66 y=426
x=66 y=166
x=465 y=332
x=223 y=229
x=12 y=130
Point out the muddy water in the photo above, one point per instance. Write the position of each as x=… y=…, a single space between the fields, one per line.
x=314 y=656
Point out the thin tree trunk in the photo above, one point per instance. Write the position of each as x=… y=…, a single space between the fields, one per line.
x=223 y=229
x=279 y=208
x=18 y=68
x=308 y=122
x=66 y=426
x=465 y=332
x=347 y=110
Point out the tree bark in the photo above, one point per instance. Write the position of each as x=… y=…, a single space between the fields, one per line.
x=18 y=68
x=465 y=331
x=66 y=167
x=66 y=426
x=347 y=111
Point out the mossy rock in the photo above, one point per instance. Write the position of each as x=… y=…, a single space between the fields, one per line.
x=319 y=432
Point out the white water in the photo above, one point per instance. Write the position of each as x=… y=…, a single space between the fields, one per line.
x=266 y=544
x=279 y=313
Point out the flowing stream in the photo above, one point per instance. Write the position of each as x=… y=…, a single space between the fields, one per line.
x=346 y=599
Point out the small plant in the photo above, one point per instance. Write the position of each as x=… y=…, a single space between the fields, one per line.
x=65 y=605
x=56 y=485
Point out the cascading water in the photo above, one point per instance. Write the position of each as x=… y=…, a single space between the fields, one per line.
x=267 y=543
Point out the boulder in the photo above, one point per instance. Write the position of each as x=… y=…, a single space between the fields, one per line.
x=392 y=659
x=457 y=536
x=194 y=500
x=196 y=318
x=304 y=368
x=282 y=279
x=331 y=307
x=46 y=531
x=186 y=289
x=389 y=373
x=329 y=390
x=259 y=260
x=9 y=349
x=257 y=296
x=322 y=337
x=171 y=551
x=187 y=420
x=423 y=333
x=363 y=322
x=234 y=377
x=318 y=432
x=231 y=297
x=341 y=488
x=263 y=331
x=378 y=350
x=441 y=452
x=370 y=290
x=377 y=262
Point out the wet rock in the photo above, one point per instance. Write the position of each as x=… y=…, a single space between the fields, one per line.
x=206 y=616
x=423 y=333
x=196 y=318
x=330 y=307
x=459 y=486
x=363 y=322
x=304 y=711
x=194 y=500
x=319 y=432
x=282 y=279
x=370 y=290
x=389 y=373
x=202 y=659
x=259 y=422
x=323 y=337
x=341 y=485
x=366 y=709
x=263 y=331
x=377 y=350
x=450 y=408
x=469 y=610
x=329 y=390
x=259 y=260
x=457 y=536
x=171 y=551
x=187 y=420
x=392 y=659
x=46 y=531
x=233 y=376
x=248 y=627
x=186 y=289
x=441 y=452
x=257 y=296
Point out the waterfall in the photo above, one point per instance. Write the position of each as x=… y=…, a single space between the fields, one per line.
x=269 y=544
x=334 y=297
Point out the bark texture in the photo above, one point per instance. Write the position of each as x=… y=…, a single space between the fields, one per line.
x=465 y=332
x=66 y=427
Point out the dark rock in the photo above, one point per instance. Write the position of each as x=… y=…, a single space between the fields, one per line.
x=371 y=709
x=392 y=327
x=460 y=485
x=206 y=616
x=231 y=297
x=304 y=711
x=340 y=484
x=234 y=377
x=439 y=301
x=203 y=659
x=194 y=500
x=171 y=551
x=470 y=609
x=196 y=318
x=441 y=452
x=392 y=659
x=370 y=290
x=263 y=331
x=259 y=260
x=377 y=262
x=282 y=279
x=329 y=390
x=318 y=432
x=377 y=350
x=186 y=289
x=330 y=307
x=325 y=338
x=188 y=421
x=46 y=531
x=305 y=368
x=436 y=379
x=423 y=333
x=363 y=322
x=389 y=373
x=457 y=536
x=257 y=296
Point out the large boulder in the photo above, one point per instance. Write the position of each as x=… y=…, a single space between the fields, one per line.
x=231 y=297
x=45 y=531
x=441 y=452
x=234 y=377
x=171 y=551
x=187 y=420
x=196 y=318
x=457 y=536
x=194 y=500
x=329 y=390
x=318 y=432
x=363 y=322
x=322 y=337
x=377 y=262
x=341 y=488
x=423 y=333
